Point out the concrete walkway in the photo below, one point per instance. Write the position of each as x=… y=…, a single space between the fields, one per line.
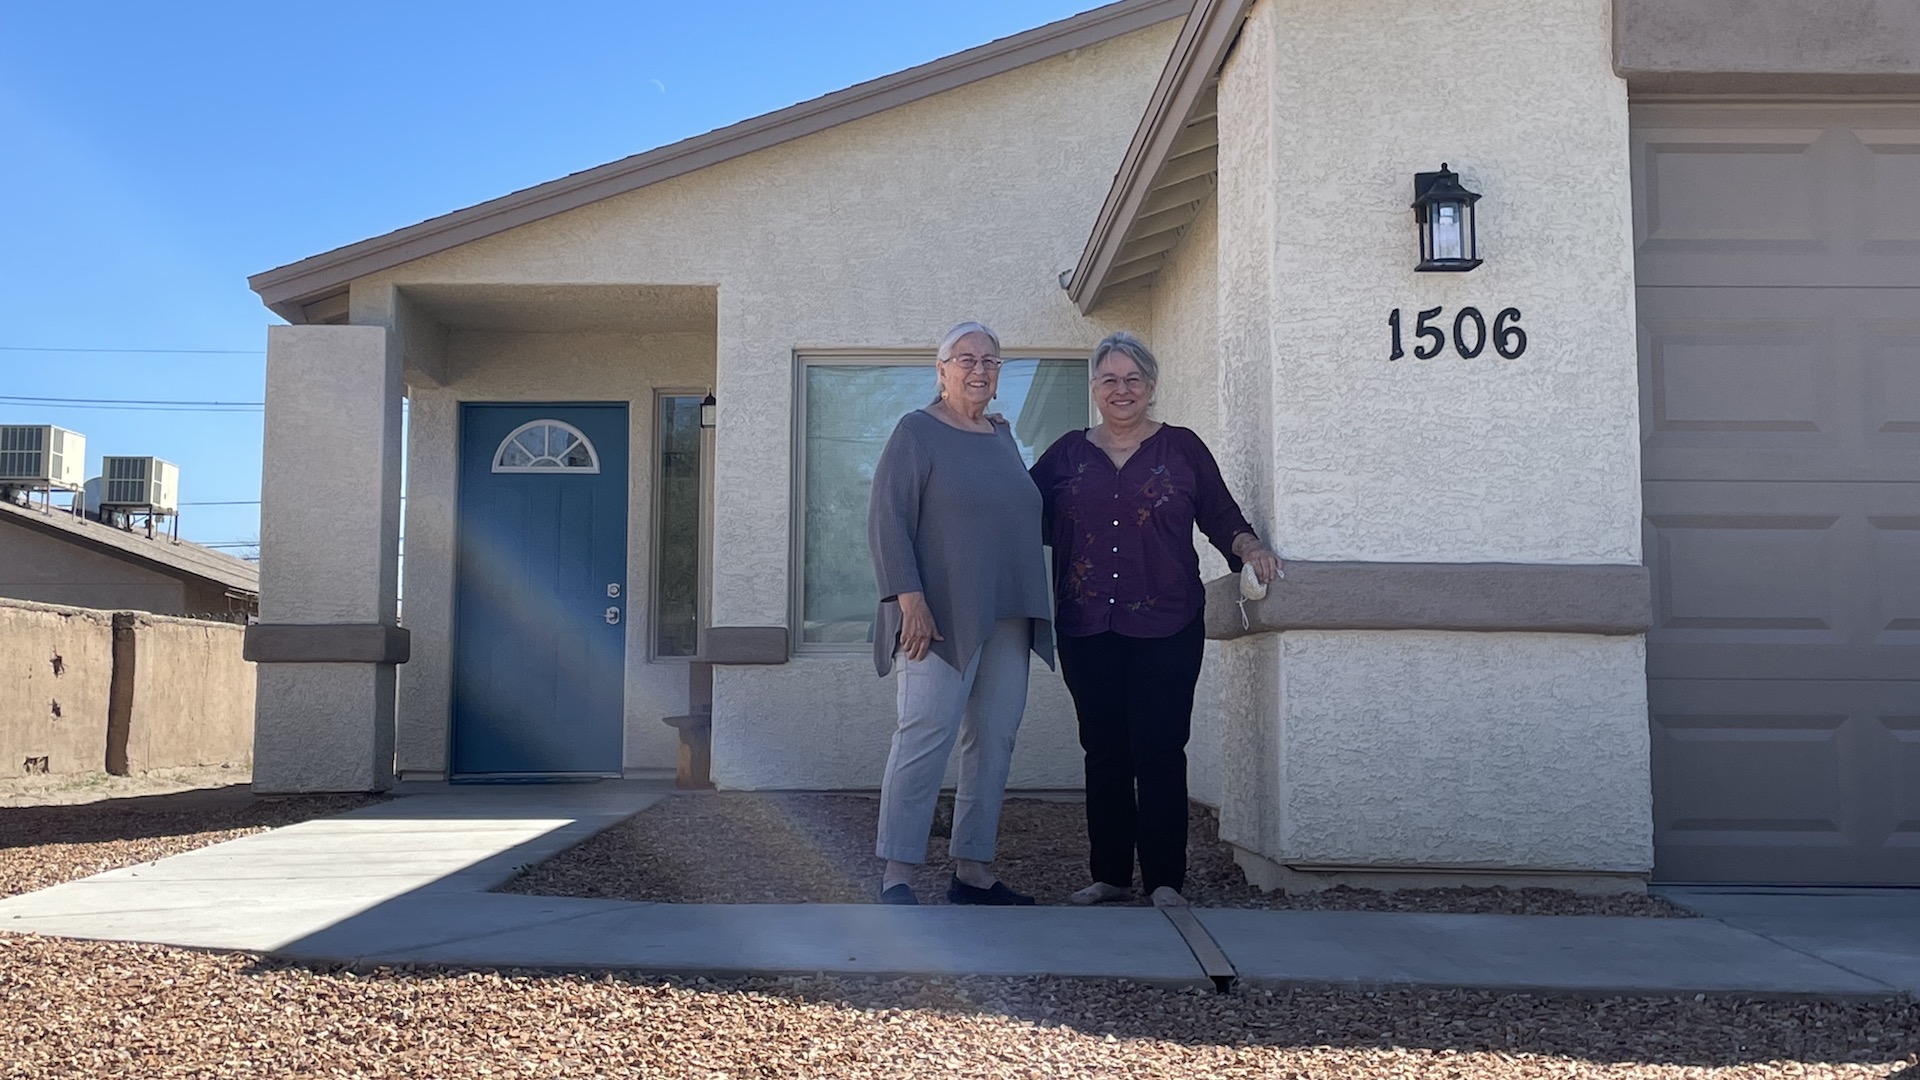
x=406 y=882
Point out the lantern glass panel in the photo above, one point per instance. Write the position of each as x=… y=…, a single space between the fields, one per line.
x=1449 y=231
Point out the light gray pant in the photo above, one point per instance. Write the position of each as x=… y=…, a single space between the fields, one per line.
x=982 y=706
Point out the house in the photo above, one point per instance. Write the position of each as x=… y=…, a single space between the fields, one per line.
x=55 y=557
x=1602 y=553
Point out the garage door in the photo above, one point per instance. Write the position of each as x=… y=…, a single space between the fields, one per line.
x=1778 y=265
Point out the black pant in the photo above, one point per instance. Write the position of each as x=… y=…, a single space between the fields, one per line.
x=1135 y=700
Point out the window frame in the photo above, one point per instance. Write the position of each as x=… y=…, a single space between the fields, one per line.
x=797 y=458
x=655 y=493
x=593 y=452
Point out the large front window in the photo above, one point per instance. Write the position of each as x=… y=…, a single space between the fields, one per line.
x=848 y=407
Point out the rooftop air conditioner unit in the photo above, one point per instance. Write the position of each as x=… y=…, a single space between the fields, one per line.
x=41 y=455
x=147 y=483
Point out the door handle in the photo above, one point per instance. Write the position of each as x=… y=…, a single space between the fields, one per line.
x=613 y=616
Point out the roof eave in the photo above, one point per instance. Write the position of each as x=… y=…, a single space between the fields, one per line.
x=1202 y=47
x=287 y=290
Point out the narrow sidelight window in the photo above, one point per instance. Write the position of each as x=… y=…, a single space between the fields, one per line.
x=676 y=587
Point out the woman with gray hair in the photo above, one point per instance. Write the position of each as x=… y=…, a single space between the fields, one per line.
x=1121 y=503
x=954 y=528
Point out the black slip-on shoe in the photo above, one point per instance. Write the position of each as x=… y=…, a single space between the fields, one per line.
x=901 y=894
x=998 y=895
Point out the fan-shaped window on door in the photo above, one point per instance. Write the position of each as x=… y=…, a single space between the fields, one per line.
x=546 y=446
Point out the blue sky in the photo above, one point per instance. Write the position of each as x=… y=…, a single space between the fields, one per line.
x=155 y=155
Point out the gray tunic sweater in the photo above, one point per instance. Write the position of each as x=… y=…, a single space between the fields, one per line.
x=954 y=516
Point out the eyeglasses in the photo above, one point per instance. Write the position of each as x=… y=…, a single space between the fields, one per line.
x=1107 y=384
x=968 y=362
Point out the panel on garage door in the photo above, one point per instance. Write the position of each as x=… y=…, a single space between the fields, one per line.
x=1778 y=261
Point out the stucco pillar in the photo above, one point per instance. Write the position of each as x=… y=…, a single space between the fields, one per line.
x=1381 y=745
x=328 y=638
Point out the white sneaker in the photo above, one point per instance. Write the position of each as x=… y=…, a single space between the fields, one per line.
x=1165 y=896
x=1100 y=893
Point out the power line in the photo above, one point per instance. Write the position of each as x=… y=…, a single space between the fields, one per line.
x=227 y=502
x=170 y=352
x=130 y=401
x=80 y=405
x=125 y=408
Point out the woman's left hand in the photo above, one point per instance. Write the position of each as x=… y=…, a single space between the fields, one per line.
x=1266 y=565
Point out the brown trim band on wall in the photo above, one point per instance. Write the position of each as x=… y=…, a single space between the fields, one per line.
x=290 y=643
x=746 y=645
x=1527 y=597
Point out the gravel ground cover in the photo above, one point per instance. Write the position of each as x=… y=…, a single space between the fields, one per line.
x=48 y=844
x=751 y=848
x=100 y=1009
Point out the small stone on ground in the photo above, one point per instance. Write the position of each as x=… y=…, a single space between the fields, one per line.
x=73 y=1008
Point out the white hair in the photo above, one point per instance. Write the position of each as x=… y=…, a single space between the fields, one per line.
x=954 y=335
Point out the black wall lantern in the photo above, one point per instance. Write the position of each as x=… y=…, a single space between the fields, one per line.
x=709 y=411
x=1444 y=210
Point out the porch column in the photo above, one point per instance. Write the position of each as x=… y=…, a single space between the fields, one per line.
x=1493 y=718
x=328 y=637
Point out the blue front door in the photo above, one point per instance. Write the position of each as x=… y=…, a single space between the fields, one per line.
x=540 y=604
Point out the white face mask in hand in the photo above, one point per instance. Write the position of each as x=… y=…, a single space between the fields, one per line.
x=1251 y=588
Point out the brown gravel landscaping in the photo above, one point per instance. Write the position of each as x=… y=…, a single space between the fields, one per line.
x=92 y=1009
x=740 y=848
x=96 y=1009
x=49 y=844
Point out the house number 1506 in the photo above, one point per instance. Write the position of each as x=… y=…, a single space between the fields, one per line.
x=1469 y=334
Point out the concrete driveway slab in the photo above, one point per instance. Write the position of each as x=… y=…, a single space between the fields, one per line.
x=1872 y=932
x=1532 y=953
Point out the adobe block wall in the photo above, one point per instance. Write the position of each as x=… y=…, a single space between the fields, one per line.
x=191 y=700
x=86 y=691
x=56 y=670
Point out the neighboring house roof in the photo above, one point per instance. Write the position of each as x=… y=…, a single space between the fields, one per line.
x=1172 y=164
x=308 y=290
x=159 y=553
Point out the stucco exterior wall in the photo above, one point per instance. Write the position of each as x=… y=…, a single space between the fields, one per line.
x=882 y=232
x=1508 y=751
x=192 y=699
x=1769 y=46
x=1185 y=337
x=1435 y=750
x=50 y=570
x=57 y=667
x=838 y=720
x=481 y=366
x=1250 y=736
x=1449 y=459
x=329 y=542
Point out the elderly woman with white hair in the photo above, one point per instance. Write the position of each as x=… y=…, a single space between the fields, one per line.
x=1122 y=500
x=954 y=528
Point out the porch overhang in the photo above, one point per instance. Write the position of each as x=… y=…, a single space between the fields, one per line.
x=1170 y=168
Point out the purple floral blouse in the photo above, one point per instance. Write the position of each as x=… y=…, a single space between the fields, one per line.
x=1122 y=539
